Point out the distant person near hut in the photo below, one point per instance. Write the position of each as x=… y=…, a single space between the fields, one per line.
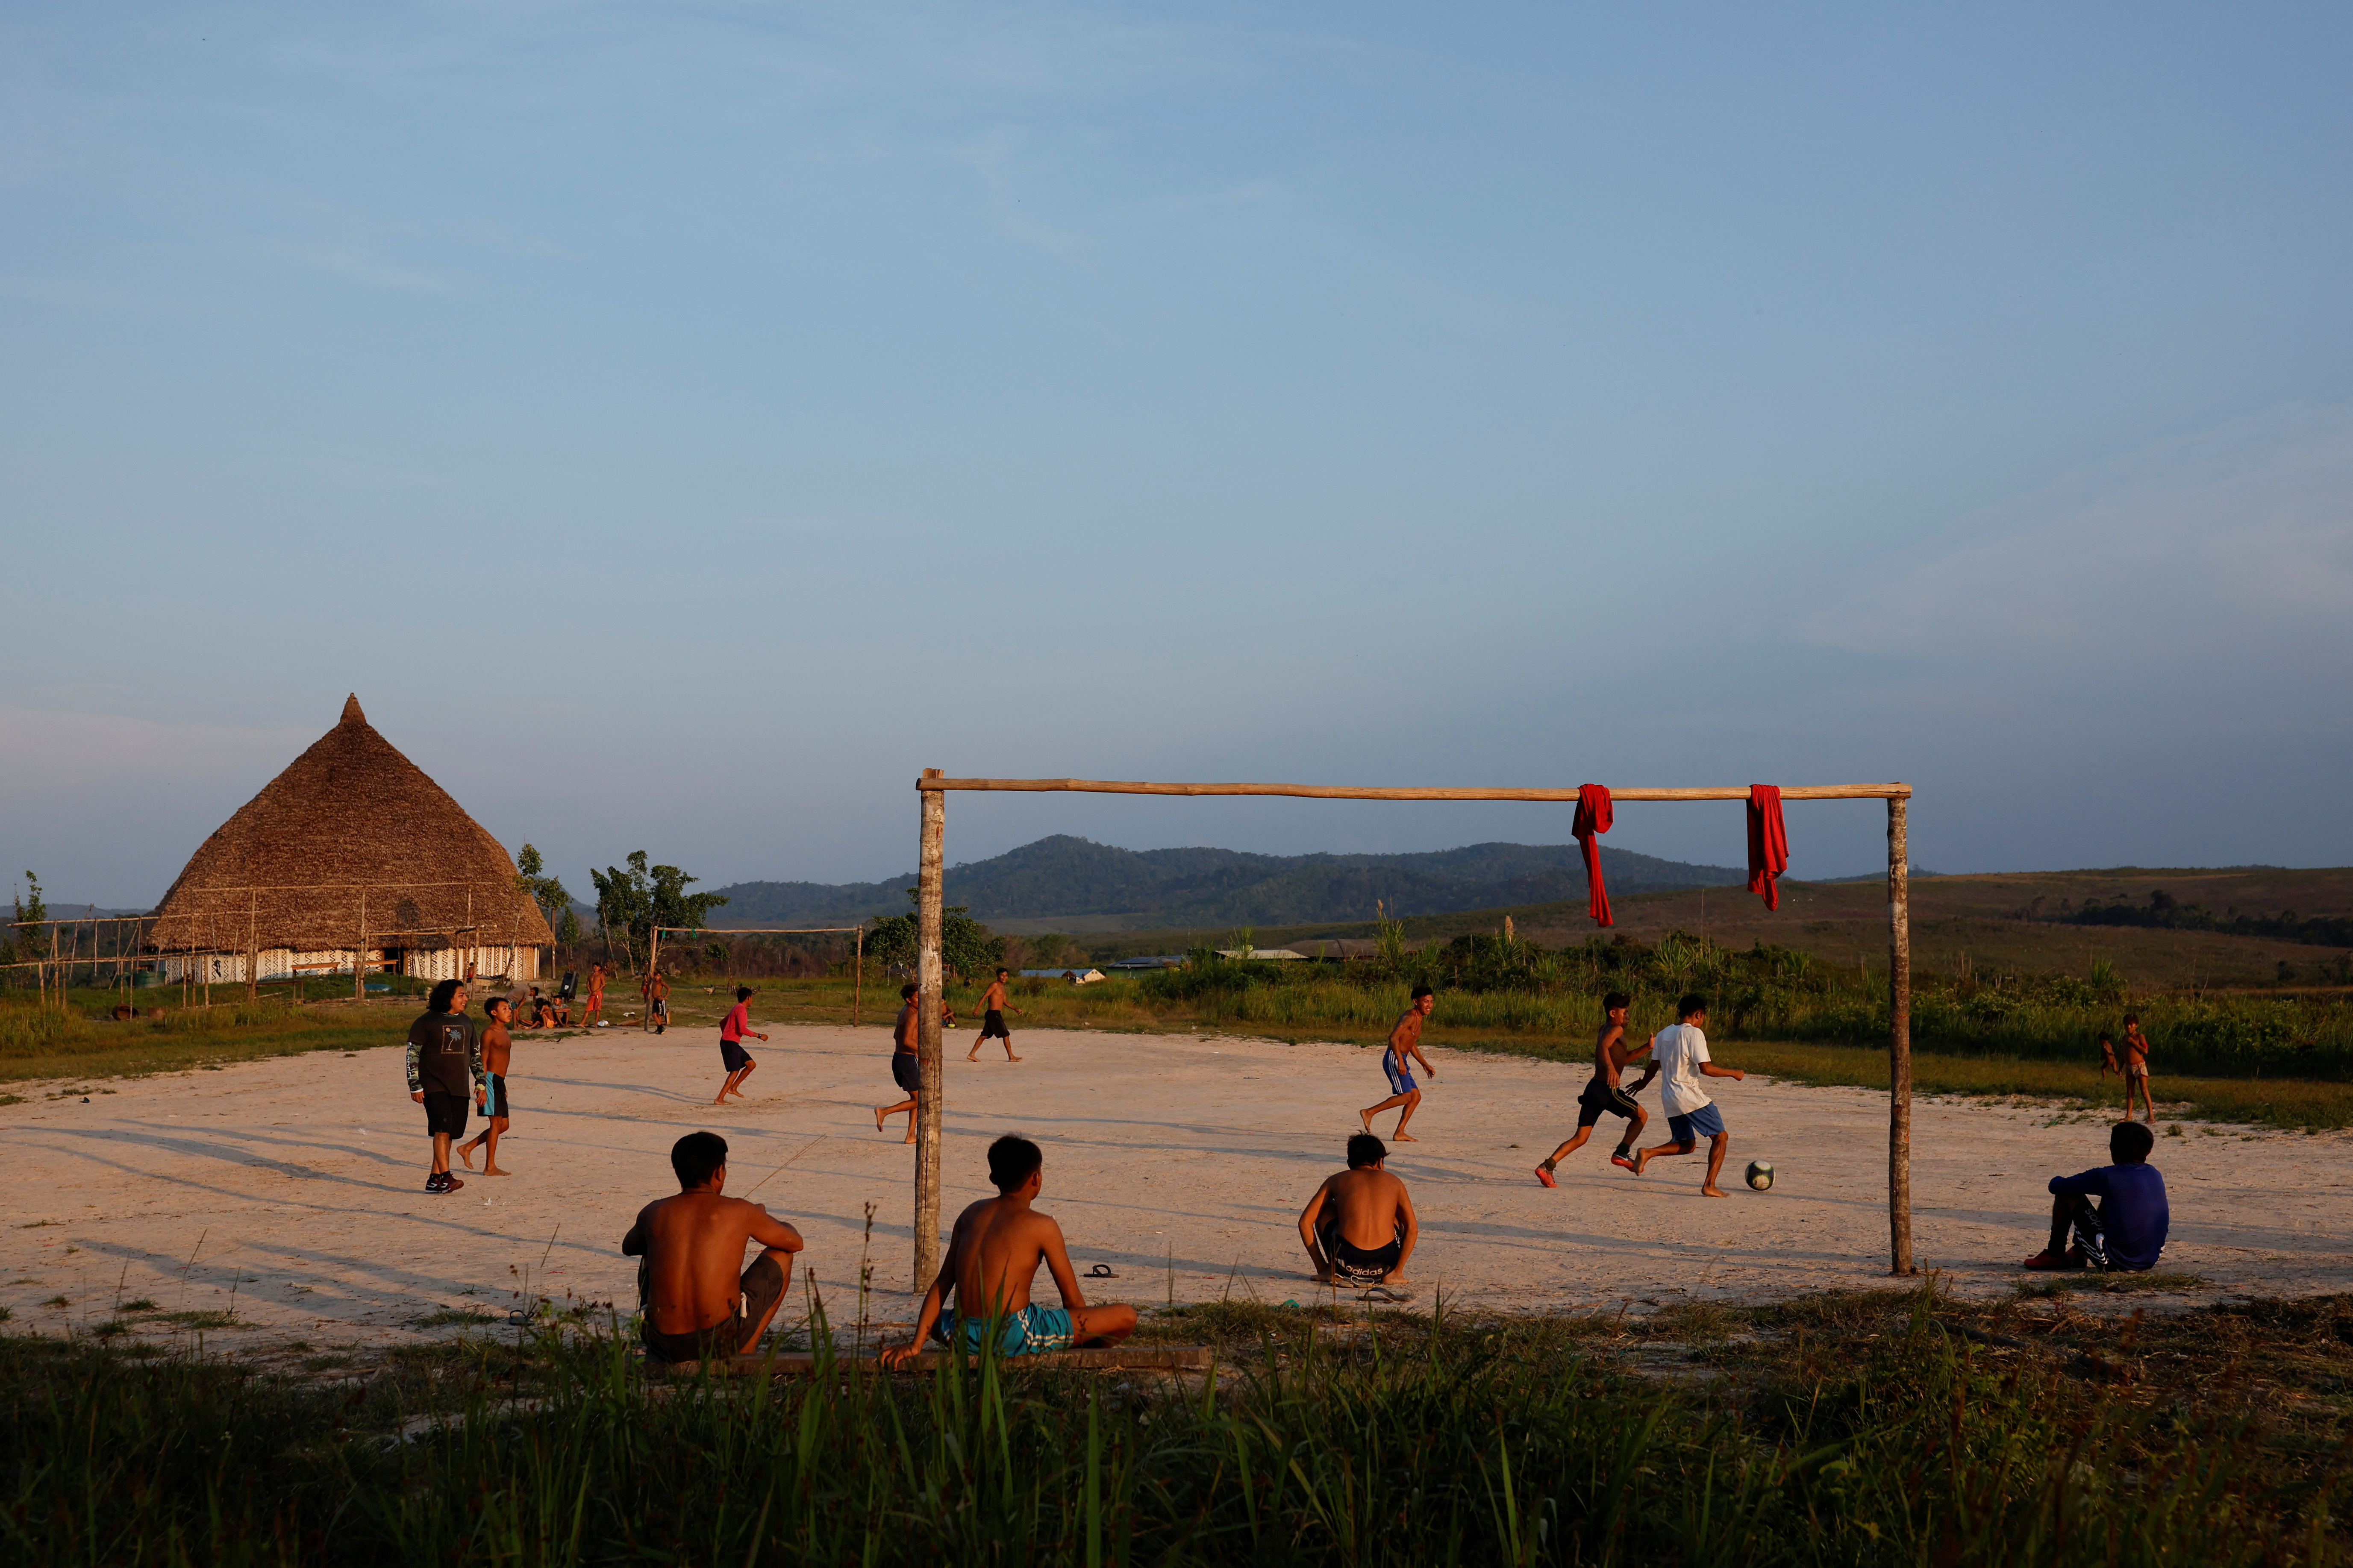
x=490 y=1093
x=994 y=1004
x=445 y=1058
x=594 y=1012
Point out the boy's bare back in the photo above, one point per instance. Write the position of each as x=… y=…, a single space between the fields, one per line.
x=995 y=1250
x=694 y=1244
x=1367 y=1203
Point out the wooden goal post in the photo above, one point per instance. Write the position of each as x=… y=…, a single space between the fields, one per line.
x=932 y=789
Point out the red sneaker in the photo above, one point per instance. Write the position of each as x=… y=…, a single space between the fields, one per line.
x=1546 y=1177
x=1622 y=1160
x=2043 y=1260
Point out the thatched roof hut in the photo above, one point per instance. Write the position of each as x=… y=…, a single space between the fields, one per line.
x=351 y=849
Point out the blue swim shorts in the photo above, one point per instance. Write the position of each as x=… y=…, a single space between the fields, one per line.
x=1702 y=1123
x=1035 y=1329
x=1401 y=1074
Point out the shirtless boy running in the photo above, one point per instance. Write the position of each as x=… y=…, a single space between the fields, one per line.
x=1405 y=1040
x=1604 y=1094
x=1359 y=1227
x=992 y=1262
x=695 y=1305
x=906 y=1066
x=994 y=1006
x=490 y=1094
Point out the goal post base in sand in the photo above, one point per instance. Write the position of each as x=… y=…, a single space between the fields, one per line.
x=932 y=789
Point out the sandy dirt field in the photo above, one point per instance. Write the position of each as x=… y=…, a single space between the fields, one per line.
x=291 y=1190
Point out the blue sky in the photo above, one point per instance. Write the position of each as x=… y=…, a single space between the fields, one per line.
x=680 y=424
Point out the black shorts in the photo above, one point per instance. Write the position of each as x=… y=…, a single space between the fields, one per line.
x=995 y=1024
x=494 y=1100
x=761 y=1285
x=660 y=1008
x=1354 y=1265
x=907 y=1072
x=734 y=1056
x=1599 y=1098
x=444 y=1113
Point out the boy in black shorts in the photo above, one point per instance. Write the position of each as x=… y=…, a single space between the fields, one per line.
x=445 y=1058
x=994 y=1005
x=906 y=1067
x=1606 y=1095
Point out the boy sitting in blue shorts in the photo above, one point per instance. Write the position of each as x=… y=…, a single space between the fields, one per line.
x=992 y=1261
x=1680 y=1051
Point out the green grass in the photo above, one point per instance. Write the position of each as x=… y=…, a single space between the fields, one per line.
x=2156 y=1281
x=1861 y=1429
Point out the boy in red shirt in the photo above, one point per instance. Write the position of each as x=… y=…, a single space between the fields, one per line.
x=730 y=1047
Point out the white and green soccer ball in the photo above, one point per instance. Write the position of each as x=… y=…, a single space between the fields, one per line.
x=1761 y=1174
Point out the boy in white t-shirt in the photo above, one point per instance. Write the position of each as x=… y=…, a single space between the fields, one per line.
x=1680 y=1051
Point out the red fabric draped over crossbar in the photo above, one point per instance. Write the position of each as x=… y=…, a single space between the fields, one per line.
x=1592 y=821
x=1769 y=843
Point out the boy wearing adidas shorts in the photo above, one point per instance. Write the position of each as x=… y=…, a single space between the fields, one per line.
x=1681 y=1053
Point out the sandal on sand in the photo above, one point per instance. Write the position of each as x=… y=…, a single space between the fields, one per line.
x=1383 y=1294
x=1101 y=1271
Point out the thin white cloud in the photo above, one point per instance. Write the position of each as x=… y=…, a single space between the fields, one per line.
x=2224 y=542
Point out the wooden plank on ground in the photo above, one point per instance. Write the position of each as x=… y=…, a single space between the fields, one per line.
x=1119 y=1358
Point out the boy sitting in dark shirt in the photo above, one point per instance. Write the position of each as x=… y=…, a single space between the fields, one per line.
x=2126 y=1229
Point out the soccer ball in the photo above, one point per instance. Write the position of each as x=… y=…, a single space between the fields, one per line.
x=1761 y=1174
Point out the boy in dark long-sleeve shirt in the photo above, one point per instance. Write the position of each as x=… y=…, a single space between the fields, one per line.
x=445 y=1062
x=2126 y=1228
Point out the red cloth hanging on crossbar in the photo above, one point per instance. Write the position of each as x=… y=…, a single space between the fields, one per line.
x=1592 y=821
x=1769 y=843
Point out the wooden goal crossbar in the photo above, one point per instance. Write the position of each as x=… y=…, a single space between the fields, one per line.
x=932 y=790
x=858 y=960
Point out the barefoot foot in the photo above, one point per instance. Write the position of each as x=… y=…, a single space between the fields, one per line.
x=1012 y=1058
x=1367 y=1118
x=466 y=1152
x=1710 y=1192
x=494 y=1170
x=1402 y=1136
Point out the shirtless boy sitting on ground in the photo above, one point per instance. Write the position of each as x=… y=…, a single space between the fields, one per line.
x=1359 y=1227
x=695 y=1306
x=992 y=1261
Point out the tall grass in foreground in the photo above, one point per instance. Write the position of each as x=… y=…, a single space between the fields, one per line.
x=1483 y=1443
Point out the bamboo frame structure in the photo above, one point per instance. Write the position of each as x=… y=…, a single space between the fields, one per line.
x=858 y=961
x=932 y=789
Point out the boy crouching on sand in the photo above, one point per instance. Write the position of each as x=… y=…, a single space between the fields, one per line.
x=2126 y=1228
x=1682 y=1060
x=1359 y=1227
x=992 y=1262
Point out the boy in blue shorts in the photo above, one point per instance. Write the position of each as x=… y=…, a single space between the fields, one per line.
x=1680 y=1051
x=992 y=1261
x=1405 y=1040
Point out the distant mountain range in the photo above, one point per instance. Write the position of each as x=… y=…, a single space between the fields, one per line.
x=1070 y=884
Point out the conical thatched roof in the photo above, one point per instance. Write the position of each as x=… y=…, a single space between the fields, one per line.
x=351 y=810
